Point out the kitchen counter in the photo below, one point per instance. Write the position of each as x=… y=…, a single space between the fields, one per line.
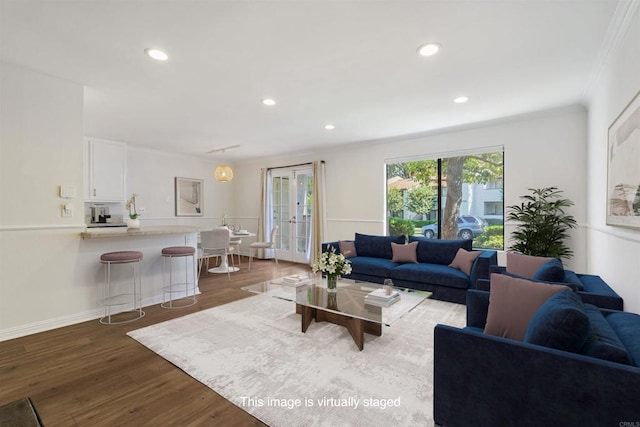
x=99 y=233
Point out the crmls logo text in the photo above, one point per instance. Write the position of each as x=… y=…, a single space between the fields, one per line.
x=629 y=424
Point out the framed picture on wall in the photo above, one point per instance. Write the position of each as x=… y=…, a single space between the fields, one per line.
x=623 y=167
x=189 y=200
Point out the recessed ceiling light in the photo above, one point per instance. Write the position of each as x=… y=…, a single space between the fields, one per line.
x=429 y=49
x=329 y=127
x=269 y=101
x=156 y=54
x=461 y=99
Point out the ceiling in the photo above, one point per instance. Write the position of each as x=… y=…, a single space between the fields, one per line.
x=349 y=63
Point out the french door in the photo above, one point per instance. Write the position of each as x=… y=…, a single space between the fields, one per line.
x=291 y=198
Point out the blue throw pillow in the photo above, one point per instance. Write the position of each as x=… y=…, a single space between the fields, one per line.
x=602 y=341
x=434 y=251
x=376 y=246
x=550 y=271
x=559 y=323
x=573 y=279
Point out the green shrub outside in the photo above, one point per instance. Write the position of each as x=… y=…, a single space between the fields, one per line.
x=399 y=226
x=491 y=238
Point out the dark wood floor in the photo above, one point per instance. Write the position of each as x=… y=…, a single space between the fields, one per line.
x=94 y=375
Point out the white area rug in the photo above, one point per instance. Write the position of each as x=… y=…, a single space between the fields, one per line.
x=253 y=353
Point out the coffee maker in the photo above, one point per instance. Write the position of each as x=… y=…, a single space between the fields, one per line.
x=100 y=214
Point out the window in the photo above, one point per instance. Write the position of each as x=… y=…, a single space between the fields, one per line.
x=493 y=208
x=450 y=197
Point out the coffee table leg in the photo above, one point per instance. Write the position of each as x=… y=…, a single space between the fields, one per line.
x=356 y=329
x=308 y=314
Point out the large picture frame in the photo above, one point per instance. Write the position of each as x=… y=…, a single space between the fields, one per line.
x=623 y=167
x=189 y=197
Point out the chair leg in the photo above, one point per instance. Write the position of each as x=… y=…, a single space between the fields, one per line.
x=250 y=257
x=275 y=255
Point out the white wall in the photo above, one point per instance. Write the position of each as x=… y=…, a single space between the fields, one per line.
x=613 y=252
x=544 y=149
x=151 y=175
x=40 y=149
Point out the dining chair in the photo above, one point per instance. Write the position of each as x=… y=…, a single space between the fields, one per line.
x=214 y=243
x=235 y=242
x=265 y=245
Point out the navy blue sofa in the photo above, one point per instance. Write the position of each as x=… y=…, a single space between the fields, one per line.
x=591 y=288
x=481 y=379
x=432 y=273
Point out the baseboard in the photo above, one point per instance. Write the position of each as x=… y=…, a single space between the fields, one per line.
x=72 y=319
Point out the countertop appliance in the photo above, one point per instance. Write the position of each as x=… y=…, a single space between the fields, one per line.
x=100 y=217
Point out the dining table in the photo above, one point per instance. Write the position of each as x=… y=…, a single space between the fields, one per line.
x=224 y=266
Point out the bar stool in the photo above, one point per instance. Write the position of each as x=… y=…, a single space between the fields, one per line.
x=186 y=288
x=133 y=298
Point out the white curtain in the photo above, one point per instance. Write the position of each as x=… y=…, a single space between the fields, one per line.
x=319 y=215
x=265 y=224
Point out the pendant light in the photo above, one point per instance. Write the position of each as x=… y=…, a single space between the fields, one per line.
x=223 y=173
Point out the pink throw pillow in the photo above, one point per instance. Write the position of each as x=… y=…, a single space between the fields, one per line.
x=512 y=304
x=464 y=260
x=524 y=265
x=404 y=253
x=348 y=249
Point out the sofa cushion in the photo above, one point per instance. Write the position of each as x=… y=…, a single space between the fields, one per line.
x=524 y=265
x=550 y=271
x=464 y=260
x=372 y=266
x=376 y=246
x=433 y=274
x=627 y=328
x=347 y=248
x=559 y=323
x=434 y=251
x=404 y=253
x=512 y=304
x=602 y=341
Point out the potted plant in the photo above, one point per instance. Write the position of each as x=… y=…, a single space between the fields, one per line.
x=543 y=224
x=133 y=221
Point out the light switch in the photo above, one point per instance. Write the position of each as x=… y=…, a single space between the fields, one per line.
x=67 y=191
x=67 y=210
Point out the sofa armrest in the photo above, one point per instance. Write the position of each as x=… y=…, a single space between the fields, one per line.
x=491 y=381
x=477 y=308
x=497 y=269
x=483 y=285
x=481 y=266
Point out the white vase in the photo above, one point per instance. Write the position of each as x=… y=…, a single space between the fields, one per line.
x=133 y=223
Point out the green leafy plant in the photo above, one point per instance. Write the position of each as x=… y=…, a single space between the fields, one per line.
x=491 y=238
x=402 y=227
x=543 y=224
x=395 y=201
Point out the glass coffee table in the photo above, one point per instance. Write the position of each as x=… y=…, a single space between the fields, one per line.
x=345 y=307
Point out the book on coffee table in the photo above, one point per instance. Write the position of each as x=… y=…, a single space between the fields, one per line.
x=380 y=298
x=293 y=280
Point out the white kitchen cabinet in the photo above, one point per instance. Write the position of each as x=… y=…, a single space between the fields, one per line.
x=106 y=170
